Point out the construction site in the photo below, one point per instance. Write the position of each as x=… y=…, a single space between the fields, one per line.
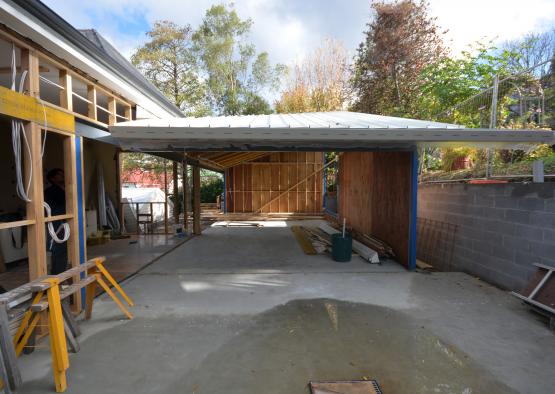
x=312 y=271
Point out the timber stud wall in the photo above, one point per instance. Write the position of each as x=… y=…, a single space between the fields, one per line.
x=262 y=185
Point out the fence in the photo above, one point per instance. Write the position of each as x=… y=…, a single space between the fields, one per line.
x=525 y=99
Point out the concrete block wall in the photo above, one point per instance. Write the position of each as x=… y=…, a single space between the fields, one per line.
x=502 y=229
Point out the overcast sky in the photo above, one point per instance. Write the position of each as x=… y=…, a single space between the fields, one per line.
x=287 y=29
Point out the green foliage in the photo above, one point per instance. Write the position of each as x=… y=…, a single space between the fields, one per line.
x=210 y=190
x=450 y=81
x=168 y=60
x=236 y=75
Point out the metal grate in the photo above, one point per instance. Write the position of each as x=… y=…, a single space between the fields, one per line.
x=345 y=387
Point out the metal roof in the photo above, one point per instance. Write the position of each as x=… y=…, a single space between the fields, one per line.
x=310 y=131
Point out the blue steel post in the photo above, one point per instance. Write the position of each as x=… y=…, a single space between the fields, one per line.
x=413 y=209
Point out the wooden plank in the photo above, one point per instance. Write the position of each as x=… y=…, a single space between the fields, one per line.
x=166 y=213
x=175 y=193
x=303 y=240
x=4 y=376
x=185 y=187
x=29 y=108
x=71 y=322
x=17 y=223
x=8 y=351
x=196 y=201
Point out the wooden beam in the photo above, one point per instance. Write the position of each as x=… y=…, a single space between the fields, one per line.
x=175 y=193
x=91 y=107
x=118 y=191
x=185 y=187
x=66 y=95
x=18 y=223
x=21 y=106
x=128 y=112
x=36 y=237
x=30 y=63
x=196 y=201
x=112 y=109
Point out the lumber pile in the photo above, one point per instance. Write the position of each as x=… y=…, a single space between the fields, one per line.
x=363 y=251
x=383 y=249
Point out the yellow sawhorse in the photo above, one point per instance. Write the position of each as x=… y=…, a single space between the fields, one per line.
x=51 y=286
x=100 y=272
x=58 y=345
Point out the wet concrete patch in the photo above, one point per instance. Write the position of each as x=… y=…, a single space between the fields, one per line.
x=289 y=345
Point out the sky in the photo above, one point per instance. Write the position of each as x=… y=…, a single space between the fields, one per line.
x=289 y=29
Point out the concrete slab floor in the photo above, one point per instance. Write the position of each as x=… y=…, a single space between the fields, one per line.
x=243 y=310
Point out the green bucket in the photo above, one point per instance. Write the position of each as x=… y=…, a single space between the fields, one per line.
x=341 y=248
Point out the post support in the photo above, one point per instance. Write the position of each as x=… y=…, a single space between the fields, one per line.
x=196 y=201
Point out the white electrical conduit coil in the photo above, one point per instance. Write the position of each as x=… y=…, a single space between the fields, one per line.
x=54 y=233
x=18 y=134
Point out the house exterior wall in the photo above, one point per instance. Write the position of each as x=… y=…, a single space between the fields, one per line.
x=263 y=185
x=495 y=231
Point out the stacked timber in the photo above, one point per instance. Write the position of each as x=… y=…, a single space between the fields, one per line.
x=383 y=249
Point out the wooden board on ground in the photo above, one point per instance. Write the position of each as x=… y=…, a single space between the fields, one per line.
x=303 y=240
x=347 y=387
x=424 y=266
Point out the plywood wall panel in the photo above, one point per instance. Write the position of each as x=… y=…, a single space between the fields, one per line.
x=374 y=196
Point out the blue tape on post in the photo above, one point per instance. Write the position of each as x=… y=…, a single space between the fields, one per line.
x=413 y=209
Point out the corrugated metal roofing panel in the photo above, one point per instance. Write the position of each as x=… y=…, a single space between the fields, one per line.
x=311 y=131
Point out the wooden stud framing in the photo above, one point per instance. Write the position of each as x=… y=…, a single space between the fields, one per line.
x=128 y=112
x=70 y=175
x=41 y=53
x=36 y=238
x=175 y=193
x=66 y=94
x=185 y=187
x=166 y=229
x=91 y=107
x=196 y=201
x=112 y=109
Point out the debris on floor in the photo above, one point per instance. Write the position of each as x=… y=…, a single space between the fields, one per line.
x=303 y=239
x=421 y=265
x=540 y=293
x=347 y=387
x=363 y=251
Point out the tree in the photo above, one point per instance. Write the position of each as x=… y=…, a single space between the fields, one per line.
x=318 y=83
x=167 y=60
x=400 y=42
x=236 y=75
x=532 y=49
